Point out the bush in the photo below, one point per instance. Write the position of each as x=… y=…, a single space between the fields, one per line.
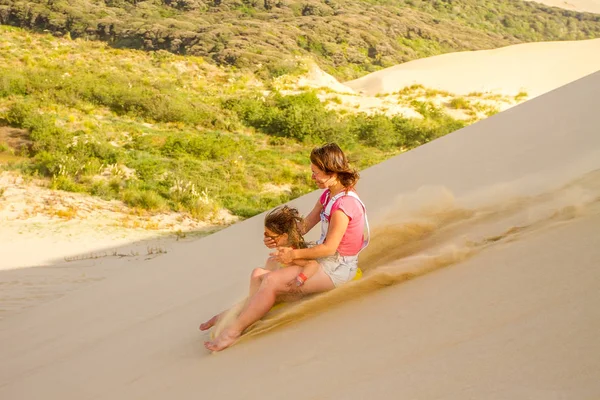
x=277 y=68
x=247 y=206
x=302 y=117
x=46 y=136
x=412 y=133
x=146 y=199
x=201 y=209
x=375 y=130
x=18 y=113
x=12 y=83
x=66 y=183
x=460 y=103
x=103 y=189
x=205 y=146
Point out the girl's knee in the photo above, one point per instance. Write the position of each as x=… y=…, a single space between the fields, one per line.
x=271 y=282
x=268 y=280
x=258 y=272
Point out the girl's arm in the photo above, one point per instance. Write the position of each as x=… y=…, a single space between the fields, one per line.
x=337 y=227
x=309 y=268
x=311 y=219
x=271 y=264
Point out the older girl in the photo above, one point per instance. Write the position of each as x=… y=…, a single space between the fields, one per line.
x=343 y=217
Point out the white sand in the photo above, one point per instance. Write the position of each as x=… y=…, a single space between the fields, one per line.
x=499 y=224
x=592 y=6
x=535 y=68
x=61 y=226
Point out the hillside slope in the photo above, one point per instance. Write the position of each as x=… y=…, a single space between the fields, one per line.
x=348 y=38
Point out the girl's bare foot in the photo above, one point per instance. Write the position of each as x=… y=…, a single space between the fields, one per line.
x=210 y=323
x=224 y=340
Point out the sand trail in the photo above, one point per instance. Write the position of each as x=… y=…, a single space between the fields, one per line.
x=432 y=229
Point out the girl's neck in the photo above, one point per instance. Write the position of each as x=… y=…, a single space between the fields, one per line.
x=336 y=188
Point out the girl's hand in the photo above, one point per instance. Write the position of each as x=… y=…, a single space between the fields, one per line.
x=293 y=287
x=269 y=242
x=284 y=255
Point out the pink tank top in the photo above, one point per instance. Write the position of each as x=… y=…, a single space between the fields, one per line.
x=352 y=240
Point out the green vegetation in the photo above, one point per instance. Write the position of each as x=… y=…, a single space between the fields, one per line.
x=460 y=103
x=522 y=95
x=166 y=132
x=347 y=38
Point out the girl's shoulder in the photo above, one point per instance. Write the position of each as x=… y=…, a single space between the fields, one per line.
x=349 y=204
x=324 y=197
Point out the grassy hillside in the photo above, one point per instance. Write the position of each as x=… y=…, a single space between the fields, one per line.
x=167 y=132
x=348 y=38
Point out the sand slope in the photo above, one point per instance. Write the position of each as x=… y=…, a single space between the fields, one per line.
x=535 y=68
x=504 y=213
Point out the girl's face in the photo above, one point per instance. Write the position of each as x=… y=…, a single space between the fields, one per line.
x=280 y=240
x=322 y=180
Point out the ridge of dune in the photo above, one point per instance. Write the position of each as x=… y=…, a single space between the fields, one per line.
x=592 y=6
x=534 y=68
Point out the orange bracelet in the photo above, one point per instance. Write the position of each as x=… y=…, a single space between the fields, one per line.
x=302 y=277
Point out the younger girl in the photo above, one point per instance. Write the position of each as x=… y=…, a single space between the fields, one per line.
x=282 y=226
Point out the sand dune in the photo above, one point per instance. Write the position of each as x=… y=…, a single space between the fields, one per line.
x=592 y=6
x=534 y=68
x=539 y=67
x=492 y=233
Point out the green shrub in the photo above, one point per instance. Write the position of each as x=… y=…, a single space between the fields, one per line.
x=302 y=117
x=146 y=199
x=18 y=113
x=204 y=146
x=427 y=109
x=460 y=103
x=375 y=130
x=103 y=190
x=12 y=83
x=277 y=68
x=66 y=183
x=200 y=209
x=46 y=136
x=412 y=133
x=247 y=206
x=522 y=95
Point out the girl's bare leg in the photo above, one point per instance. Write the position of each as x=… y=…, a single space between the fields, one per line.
x=276 y=282
x=255 y=280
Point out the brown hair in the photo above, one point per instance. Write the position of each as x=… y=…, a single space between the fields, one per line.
x=285 y=219
x=331 y=159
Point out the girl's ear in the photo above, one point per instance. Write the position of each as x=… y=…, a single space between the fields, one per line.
x=285 y=238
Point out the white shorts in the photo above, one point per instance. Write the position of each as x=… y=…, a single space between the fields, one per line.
x=340 y=269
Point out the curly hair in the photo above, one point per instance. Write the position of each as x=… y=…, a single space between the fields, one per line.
x=286 y=219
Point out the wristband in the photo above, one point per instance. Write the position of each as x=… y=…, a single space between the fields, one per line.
x=301 y=278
